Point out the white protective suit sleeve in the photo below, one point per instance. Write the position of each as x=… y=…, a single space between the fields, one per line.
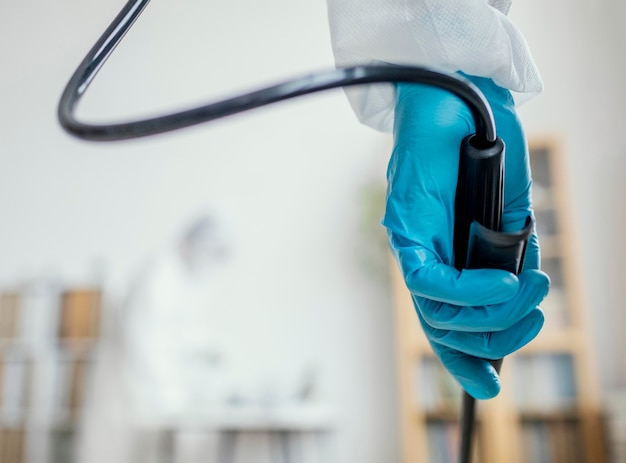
x=472 y=36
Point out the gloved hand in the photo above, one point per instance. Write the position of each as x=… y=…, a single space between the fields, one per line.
x=471 y=315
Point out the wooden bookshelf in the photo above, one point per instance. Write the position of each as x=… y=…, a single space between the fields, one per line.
x=48 y=336
x=548 y=408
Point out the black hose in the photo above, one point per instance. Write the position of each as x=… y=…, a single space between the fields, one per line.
x=324 y=80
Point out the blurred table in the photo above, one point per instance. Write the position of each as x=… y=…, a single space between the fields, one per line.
x=285 y=426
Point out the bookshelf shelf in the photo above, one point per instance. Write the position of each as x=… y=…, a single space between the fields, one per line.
x=547 y=410
x=542 y=415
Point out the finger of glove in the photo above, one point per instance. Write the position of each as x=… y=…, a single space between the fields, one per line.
x=532 y=289
x=475 y=375
x=426 y=276
x=533 y=254
x=492 y=344
x=423 y=169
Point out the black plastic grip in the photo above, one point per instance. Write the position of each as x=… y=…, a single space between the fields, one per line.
x=479 y=204
x=492 y=249
x=479 y=192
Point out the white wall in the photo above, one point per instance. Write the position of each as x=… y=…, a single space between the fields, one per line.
x=290 y=176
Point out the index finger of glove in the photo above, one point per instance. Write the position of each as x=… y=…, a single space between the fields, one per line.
x=426 y=276
x=533 y=288
x=477 y=376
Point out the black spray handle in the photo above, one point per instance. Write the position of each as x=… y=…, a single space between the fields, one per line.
x=478 y=239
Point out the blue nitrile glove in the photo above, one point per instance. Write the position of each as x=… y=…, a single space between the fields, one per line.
x=471 y=315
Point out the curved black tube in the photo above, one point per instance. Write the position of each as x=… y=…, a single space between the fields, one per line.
x=324 y=80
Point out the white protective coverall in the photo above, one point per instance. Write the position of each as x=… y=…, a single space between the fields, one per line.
x=472 y=36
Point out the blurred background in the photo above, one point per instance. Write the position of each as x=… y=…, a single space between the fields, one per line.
x=223 y=293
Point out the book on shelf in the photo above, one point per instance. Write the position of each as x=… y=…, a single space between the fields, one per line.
x=544 y=383
x=40 y=304
x=80 y=315
x=62 y=445
x=553 y=441
x=15 y=385
x=541 y=168
x=443 y=439
x=9 y=314
x=71 y=377
x=29 y=314
x=554 y=307
x=436 y=390
x=555 y=304
x=12 y=445
x=546 y=223
x=442 y=447
x=78 y=378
